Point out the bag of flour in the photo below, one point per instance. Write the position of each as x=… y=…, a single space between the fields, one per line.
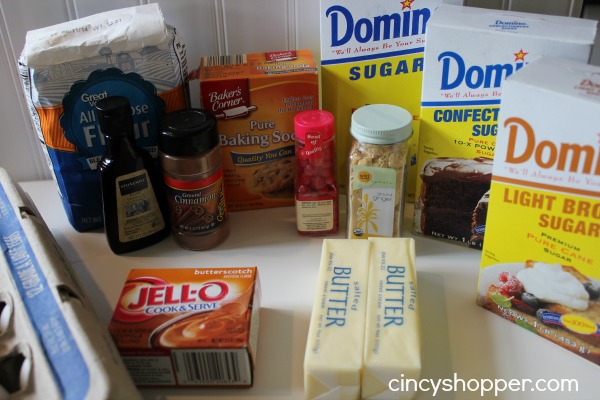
x=66 y=68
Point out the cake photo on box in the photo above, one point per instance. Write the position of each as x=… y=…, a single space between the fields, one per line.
x=443 y=213
x=479 y=218
x=554 y=301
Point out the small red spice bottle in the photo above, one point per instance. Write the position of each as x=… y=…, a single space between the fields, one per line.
x=315 y=185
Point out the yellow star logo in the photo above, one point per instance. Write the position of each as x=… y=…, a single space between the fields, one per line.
x=520 y=56
x=406 y=4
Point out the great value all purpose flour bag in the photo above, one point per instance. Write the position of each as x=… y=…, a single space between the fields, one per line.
x=66 y=68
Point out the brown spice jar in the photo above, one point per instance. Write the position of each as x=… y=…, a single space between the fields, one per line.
x=191 y=161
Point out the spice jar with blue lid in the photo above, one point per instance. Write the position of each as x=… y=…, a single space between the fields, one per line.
x=377 y=170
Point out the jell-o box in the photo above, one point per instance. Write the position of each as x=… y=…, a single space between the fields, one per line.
x=189 y=327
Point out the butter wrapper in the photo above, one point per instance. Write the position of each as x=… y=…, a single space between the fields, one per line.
x=393 y=332
x=333 y=360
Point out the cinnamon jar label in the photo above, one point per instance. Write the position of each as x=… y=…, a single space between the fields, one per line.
x=197 y=206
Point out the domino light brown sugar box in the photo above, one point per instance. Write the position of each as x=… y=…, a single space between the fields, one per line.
x=470 y=52
x=189 y=327
x=255 y=98
x=540 y=265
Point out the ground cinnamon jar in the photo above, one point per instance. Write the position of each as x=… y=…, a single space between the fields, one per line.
x=190 y=157
x=315 y=184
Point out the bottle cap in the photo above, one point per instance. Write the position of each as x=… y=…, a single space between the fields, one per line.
x=381 y=124
x=314 y=121
x=114 y=116
x=188 y=132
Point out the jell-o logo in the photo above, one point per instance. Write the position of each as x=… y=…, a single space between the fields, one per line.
x=144 y=297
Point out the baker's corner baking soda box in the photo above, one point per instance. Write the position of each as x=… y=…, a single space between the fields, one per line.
x=255 y=98
x=189 y=327
x=372 y=52
x=540 y=265
x=469 y=53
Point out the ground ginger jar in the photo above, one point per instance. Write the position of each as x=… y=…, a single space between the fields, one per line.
x=377 y=170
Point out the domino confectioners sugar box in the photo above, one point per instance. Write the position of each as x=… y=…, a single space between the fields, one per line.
x=469 y=53
x=372 y=52
x=540 y=264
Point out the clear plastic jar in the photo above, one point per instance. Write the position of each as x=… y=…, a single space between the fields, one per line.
x=190 y=157
x=377 y=170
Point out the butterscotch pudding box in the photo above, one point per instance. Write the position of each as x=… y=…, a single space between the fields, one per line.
x=470 y=51
x=52 y=344
x=255 y=98
x=189 y=327
x=540 y=265
x=372 y=53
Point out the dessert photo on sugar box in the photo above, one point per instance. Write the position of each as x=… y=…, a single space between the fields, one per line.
x=540 y=265
x=470 y=52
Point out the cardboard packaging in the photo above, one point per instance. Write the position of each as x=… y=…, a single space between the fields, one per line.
x=469 y=53
x=66 y=68
x=52 y=344
x=540 y=264
x=255 y=98
x=333 y=359
x=372 y=52
x=393 y=342
x=189 y=327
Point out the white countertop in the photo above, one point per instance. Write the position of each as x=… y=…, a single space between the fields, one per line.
x=461 y=341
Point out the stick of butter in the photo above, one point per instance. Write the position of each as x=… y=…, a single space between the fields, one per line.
x=392 y=338
x=334 y=350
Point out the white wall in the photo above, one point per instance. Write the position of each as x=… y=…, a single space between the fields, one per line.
x=208 y=27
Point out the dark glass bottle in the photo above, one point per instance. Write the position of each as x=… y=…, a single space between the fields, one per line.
x=134 y=204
